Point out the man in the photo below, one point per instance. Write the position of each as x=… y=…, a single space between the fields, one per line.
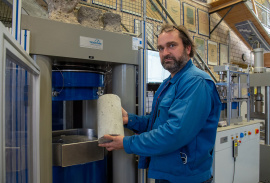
x=177 y=139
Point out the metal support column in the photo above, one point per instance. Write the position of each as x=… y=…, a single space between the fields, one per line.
x=239 y=95
x=124 y=85
x=141 y=101
x=248 y=101
x=45 y=65
x=229 y=104
x=267 y=114
x=142 y=81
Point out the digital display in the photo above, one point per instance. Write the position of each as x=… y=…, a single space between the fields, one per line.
x=223 y=140
x=156 y=73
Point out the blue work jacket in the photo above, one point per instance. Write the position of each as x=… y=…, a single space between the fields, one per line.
x=179 y=135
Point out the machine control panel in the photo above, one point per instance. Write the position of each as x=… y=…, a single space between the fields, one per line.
x=237 y=148
x=242 y=135
x=235 y=144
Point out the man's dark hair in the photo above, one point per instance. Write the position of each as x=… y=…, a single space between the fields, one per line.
x=183 y=35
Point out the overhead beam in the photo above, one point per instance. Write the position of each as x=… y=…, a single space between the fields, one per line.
x=223 y=5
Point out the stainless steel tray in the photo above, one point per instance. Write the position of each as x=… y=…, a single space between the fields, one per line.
x=75 y=146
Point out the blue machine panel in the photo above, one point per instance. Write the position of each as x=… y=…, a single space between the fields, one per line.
x=234 y=105
x=94 y=172
x=73 y=85
x=76 y=85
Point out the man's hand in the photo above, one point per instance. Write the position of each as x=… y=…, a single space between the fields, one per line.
x=125 y=116
x=116 y=144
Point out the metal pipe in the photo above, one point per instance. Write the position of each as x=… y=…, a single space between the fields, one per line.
x=143 y=64
x=221 y=19
x=151 y=46
x=221 y=77
x=267 y=114
x=229 y=43
x=259 y=101
x=207 y=68
x=160 y=13
x=95 y=6
x=252 y=98
x=229 y=105
x=142 y=84
x=132 y=34
x=166 y=12
x=200 y=58
x=198 y=63
x=248 y=101
x=124 y=27
x=239 y=95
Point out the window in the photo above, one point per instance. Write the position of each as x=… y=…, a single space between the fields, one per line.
x=156 y=73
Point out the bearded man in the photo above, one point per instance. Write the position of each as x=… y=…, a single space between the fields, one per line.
x=177 y=139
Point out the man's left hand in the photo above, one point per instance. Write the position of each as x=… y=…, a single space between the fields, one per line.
x=116 y=144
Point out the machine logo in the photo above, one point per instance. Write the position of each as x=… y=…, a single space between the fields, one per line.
x=97 y=42
x=93 y=43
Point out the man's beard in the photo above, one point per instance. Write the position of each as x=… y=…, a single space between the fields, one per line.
x=177 y=64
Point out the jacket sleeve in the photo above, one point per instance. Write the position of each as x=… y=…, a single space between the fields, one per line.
x=138 y=124
x=187 y=114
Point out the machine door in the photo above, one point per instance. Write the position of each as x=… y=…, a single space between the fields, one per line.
x=19 y=113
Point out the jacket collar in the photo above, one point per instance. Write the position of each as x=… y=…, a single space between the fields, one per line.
x=180 y=73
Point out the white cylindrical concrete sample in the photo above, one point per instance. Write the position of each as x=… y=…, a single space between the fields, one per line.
x=109 y=116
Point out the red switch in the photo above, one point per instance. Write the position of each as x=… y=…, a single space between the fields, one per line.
x=249 y=133
x=257 y=131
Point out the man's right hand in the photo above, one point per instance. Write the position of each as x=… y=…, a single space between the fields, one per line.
x=125 y=116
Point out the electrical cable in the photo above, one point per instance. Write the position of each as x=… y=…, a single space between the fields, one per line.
x=233 y=169
x=56 y=93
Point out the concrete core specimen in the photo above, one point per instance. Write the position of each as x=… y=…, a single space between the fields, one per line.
x=109 y=116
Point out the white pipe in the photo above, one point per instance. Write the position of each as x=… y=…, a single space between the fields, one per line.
x=258 y=60
x=16 y=19
x=25 y=40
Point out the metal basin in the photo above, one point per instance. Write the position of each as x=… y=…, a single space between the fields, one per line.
x=75 y=146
